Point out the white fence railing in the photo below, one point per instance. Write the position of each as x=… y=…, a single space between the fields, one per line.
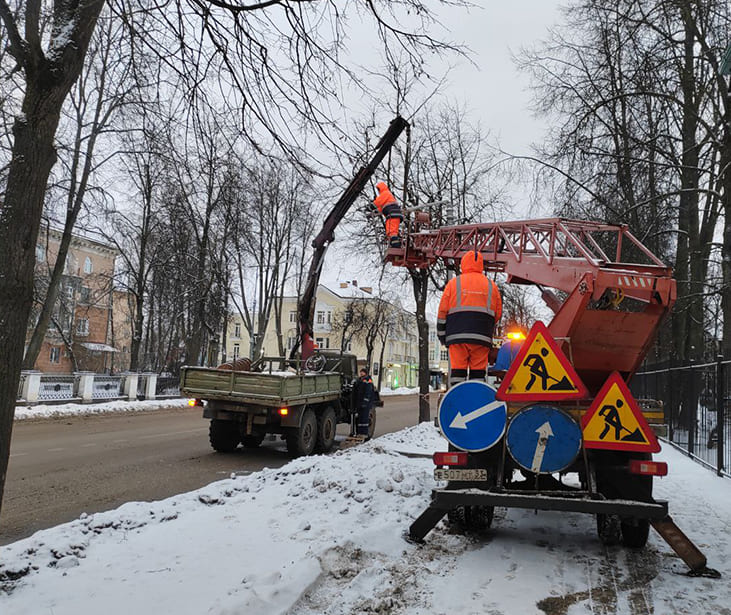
x=35 y=387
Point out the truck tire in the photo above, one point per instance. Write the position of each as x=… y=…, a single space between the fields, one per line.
x=223 y=436
x=635 y=533
x=302 y=441
x=253 y=440
x=608 y=528
x=327 y=425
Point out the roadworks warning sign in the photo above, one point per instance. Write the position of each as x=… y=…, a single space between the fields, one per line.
x=541 y=372
x=615 y=422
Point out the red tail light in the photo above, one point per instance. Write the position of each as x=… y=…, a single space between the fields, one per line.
x=648 y=468
x=450 y=459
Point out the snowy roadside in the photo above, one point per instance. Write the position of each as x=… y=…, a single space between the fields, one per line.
x=43 y=411
x=386 y=392
x=323 y=535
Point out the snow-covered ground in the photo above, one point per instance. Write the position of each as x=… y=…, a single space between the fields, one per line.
x=323 y=535
x=385 y=391
x=42 y=411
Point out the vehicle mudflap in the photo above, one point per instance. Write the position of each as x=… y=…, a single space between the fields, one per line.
x=684 y=547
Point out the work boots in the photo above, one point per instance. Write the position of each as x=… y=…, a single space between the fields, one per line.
x=394 y=242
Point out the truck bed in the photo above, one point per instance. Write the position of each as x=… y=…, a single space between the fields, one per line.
x=265 y=389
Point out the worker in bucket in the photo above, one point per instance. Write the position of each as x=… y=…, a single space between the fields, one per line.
x=386 y=204
x=470 y=307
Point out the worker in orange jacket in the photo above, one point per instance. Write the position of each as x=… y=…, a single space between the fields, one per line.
x=470 y=307
x=386 y=204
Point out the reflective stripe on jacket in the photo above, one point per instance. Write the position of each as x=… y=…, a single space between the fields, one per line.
x=470 y=306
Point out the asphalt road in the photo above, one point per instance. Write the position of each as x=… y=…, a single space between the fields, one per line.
x=60 y=468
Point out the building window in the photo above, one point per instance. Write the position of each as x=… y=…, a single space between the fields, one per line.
x=237 y=350
x=293 y=316
x=85 y=294
x=323 y=342
x=88 y=266
x=329 y=317
x=237 y=330
x=55 y=354
x=320 y=318
x=40 y=253
x=82 y=326
x=375 y=368
x=290 y=342
x=444 y=355
x=349 y=346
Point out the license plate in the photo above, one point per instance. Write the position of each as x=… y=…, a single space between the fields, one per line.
x=454 y=474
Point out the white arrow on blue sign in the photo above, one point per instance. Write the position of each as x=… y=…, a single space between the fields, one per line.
x=543 y=439
x=471 y=418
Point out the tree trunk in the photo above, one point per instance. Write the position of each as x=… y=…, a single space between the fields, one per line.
x=420 y=279
x=33 y=156
x=726 y=252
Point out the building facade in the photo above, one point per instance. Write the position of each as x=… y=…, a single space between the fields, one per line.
x=381 y=334
x=79 y=334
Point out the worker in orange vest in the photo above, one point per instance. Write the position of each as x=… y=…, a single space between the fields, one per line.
x=386 y=203
x=470 y=307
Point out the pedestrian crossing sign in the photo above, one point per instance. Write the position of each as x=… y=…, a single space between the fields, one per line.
x=614 y=421
x=541 y=372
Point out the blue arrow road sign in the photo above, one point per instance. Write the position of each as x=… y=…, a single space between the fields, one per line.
x=543 y=439
x=471 y=418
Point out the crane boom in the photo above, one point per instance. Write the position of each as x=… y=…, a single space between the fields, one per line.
x=584 y=260
x=306 y=307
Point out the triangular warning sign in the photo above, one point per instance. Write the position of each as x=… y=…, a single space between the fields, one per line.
x=541 y=372
x=614 y=420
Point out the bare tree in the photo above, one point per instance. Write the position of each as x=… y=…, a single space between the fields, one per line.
x=638 y=99
x=274 y=57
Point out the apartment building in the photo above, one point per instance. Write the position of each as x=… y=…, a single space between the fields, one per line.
x=79 y=337
x=350 y=317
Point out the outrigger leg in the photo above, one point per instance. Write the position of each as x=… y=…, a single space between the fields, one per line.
x=684 y=547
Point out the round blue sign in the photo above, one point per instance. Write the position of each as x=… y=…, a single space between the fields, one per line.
x=471 y=418
x=543 y=439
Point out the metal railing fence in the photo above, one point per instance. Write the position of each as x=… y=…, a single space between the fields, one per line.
x=697 y=405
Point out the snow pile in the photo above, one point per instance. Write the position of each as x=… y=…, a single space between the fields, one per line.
x=403 y=391
x=324 y=535
x=59 y=410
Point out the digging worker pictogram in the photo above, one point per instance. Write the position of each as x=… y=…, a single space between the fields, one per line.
x=386 y=203
x=612 y=420
x=470 y=307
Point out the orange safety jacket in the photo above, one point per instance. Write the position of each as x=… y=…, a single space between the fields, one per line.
x=386 y=202
x=470 y=306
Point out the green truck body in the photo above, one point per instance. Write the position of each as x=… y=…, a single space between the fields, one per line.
x=304 y=408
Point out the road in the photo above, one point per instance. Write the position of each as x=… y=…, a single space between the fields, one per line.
x=61 y=468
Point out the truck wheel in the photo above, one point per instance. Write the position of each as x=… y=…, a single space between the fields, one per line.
x=635 y=533
x=608 y=529
x=223 y=436
x=372 y=423
x=302 y=441
x=326 y=426
x=253 y=440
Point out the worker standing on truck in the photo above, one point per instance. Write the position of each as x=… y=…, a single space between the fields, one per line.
x=386 y=203
x=470 y=307
x=365 y=397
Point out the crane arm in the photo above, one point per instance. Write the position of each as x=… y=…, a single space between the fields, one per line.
x=306 y=307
